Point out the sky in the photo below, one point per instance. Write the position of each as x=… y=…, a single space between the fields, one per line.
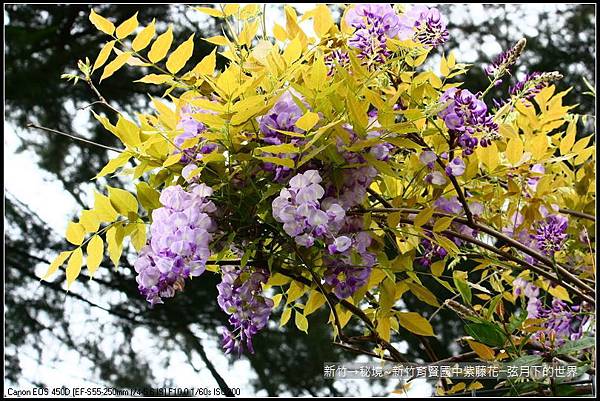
x=46 y=196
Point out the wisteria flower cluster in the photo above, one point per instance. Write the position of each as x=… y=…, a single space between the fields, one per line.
x=338 y=170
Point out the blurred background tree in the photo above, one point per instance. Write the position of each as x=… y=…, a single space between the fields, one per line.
x=105 y=324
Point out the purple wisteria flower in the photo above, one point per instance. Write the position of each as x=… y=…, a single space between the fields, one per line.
x=466 y=116
x=551 y=234
x=526 y=89
x=374 y=24
x=505 y=60
x=560 y=322
x=191 y=129
x=241 y=297
x=345 y=281
x=456 y=167
x=424 y=25
x=336 y=59
x=181 y=234
x=282 y=116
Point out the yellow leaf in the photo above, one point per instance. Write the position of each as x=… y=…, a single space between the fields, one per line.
x=383 y=328
x=437 y=268
x=128 y=132
x=148 y=196
x=314 y=302
x=123 y=201
x=569 y=139
x=161 y=46
x=560 y=293
x=483 y=351
x=488 y=156
x=114 y=65
x=56 y=263
x=207 y=65
x=415 y=323
x=280 y=162
x=210 y=11
x=301 y=322
x=143 y=38
x=103 y=208
x=156 y=79
x=285 y=316
x=114 y=164
x=103 y=55
x=231 y=9
x=292 y=51
x=276 y=300
x=444 y=70
x=115 y=245
x=74 y=266
x=538 y=146
x=295 y=291
x=181 y=55
x=166 y=115
x=218 y=40
x=138 y=237
x=279 y=32
x=89 y=220
x=127 y=27
x=249 y=11
x=514 y=150
x=101 y=23
x=307 y=121
x=75 y=233
x=322 y=20
x=451 y=60
x=95 y=253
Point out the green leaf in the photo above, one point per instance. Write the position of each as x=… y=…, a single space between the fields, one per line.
x=148 y=197
x=415 y=323
x=460 y=281
x=486 y=333
x=95 y=254
x=123 y=201
x=577 y=345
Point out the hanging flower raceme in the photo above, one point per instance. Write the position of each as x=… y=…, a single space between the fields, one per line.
x=179 y=247
x=526 y=89
x=374 y=24
x=505 y=60
x=424 y=25
x=241 y=297
x=467 y=116
x=192 y=128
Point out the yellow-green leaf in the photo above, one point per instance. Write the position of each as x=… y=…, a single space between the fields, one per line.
x=442 y=224
x=383 y=328
x=138 y=237
x=74 y=266
x=276 y=300
x=123 y=201
x=75 y=233
x=103 y=55
x=423 y=293
x=423 y=216
x=114 y=164
x=415 y=323
x=95 y=253
x=114 y=65
x=56 y=263
x=101 y=23
x=280 y=162
x=174 y=158
x=301 y=322
x=127 y=27
x=103 y=208
x=161 y=46
x=483 y=351
x=181 y=55
x=283 y=148
x=307 y=121
x=143 y=38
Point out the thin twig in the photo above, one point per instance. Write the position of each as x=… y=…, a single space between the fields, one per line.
x=77 y=138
